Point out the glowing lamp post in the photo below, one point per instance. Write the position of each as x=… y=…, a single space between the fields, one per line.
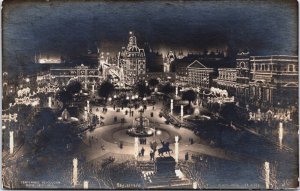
x=49 y=102
x=267 y=174
x=85 y=185
x=176 y=148
x=11 y=142
x=88 y=106
x=280 y=134
x=136 y=147
x=181 y=113
x=75 y=171
x=93 y=88
x=171 y=107
x=195 y=185
x=85 y=114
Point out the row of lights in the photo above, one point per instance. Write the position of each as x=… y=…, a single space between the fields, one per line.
x=127 y=98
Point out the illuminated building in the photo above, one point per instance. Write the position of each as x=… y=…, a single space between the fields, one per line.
x=227 y=80
x=133 y=61
x=81 y=73
x=199 y=75
x=274 y=80
x=48 y=59
x=262 y=81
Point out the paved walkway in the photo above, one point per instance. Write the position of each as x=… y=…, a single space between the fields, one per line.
x=106 y=139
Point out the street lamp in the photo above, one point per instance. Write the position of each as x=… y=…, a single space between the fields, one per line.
x=149 y=132
x=158 y=132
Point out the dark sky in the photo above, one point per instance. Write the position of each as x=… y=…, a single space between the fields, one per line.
x=68 y=28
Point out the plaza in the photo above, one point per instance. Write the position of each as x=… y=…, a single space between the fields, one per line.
x=127 y=107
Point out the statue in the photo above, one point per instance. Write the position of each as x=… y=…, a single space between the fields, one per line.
x=164 y=149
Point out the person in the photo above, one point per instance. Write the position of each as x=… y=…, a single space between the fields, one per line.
x=151 y=155
x=142 y=151
x=186 y=156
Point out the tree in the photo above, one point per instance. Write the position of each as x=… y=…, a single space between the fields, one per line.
x=106 y=89
x=46 y=117
x=64 y=96
x=25 y=114
x=74 y=87
x=142 y=89
x=153 y=82
x=7 y=100
x=167 y=89
x=189 y=95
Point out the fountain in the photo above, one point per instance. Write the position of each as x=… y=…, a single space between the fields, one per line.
x=140 y=127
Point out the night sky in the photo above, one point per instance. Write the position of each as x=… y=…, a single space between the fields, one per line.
x=69 y=28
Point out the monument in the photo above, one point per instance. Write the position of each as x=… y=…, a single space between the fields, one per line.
x=140 y=127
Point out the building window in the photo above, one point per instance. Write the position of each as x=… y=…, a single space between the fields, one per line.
x=291 y=67
x=243 y=65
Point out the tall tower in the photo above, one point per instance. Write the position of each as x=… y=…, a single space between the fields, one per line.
x=171 y=57
x=170 y=60
x=243 y=67
x=243 y=76
x=166 y=64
